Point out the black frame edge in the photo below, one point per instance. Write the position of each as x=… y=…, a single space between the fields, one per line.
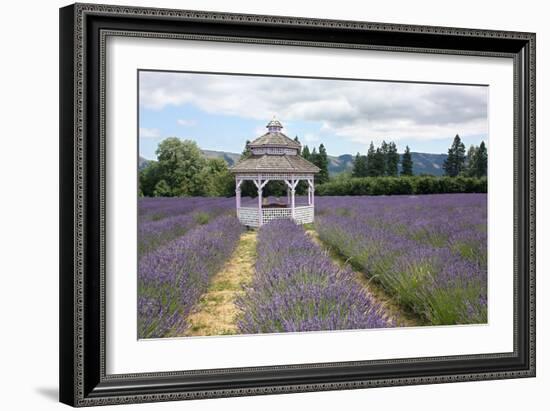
x=98 y=390
x=66 y=203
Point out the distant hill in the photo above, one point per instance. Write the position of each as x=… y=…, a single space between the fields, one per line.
x=142 y=163
x=230 y=158
x=423 y=163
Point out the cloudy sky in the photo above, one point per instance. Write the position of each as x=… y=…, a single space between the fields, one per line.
x=220 y=112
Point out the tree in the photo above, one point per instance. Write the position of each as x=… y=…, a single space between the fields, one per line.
x=469 y=162
x=180 y=163
x=392 y=160
x=454 y=164
x=162 y=189
x=378 y=163
x=479 y=168
x=322 y=163
x=371 y=153
x=216 y=179
x=407 y=163
x=305 y=152
x=384 y=149
x=149 y=176
x=359 y=166
x=246 y=151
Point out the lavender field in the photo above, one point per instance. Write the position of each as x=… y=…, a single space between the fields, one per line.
x=298 y=288
x=428 y=254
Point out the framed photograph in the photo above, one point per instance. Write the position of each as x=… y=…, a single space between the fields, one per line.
x=261 y=204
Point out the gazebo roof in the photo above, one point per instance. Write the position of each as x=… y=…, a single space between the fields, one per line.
x=275 y=139
x=275 y=163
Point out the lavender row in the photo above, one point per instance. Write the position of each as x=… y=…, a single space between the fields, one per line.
x=298 y=288
x=172 y=278
x=430 y=252
x=153 y=233
x=157 y=208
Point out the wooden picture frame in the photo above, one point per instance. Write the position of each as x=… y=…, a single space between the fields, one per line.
x=83 y=30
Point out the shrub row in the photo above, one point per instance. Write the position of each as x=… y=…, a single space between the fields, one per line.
x=402 y=185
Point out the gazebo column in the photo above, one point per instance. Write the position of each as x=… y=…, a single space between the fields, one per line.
x=311 y=189
x=287 y=196
x=291 y=184
x=238 y=193
x=260 y=185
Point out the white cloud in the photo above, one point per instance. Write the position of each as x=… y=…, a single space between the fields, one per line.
x=359 y=111
x=311 y=138
x=186 y=123
x=149 y=132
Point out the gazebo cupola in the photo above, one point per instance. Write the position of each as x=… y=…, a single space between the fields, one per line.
x=274 y=156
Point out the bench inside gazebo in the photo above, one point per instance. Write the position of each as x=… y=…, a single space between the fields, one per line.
x=274 y=156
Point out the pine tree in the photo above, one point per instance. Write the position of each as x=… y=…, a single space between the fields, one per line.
x=305 y=153
x=454 y=164
x=407 y=163
x=379 y=163
x=371 y=154
x=480 y=161
x=384 y=149
x=359 y=166
x=321 y=161
x=246 y=152
x=392 y=160
x=313 y=156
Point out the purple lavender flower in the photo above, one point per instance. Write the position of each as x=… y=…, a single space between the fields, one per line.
x=172 y=277
x=429 y=251
x=298 y=288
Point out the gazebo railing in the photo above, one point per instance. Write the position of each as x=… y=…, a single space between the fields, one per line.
x=250 y=216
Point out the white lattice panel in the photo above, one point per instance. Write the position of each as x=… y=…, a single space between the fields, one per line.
x=275 y=214
x=274 y=150
x=303 y=215
x=274 y=176
x=249 y=215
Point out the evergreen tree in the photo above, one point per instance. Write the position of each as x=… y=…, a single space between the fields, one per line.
x=456 y=156
x=392 y=160
x=379 y=163
x=359 y=166
x=371 y=154
x=321 y=161
x=305 y=152
x=246 y=152
x=313 y=156
x=407 y=163
x=480 y=161
x=384 y=149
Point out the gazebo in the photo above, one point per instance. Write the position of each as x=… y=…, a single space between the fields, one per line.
x=274 y=156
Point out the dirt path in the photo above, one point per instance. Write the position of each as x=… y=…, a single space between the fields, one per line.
x=391 y=309
x=216 y=312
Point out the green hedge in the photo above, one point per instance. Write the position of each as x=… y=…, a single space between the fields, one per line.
x=402 y=185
